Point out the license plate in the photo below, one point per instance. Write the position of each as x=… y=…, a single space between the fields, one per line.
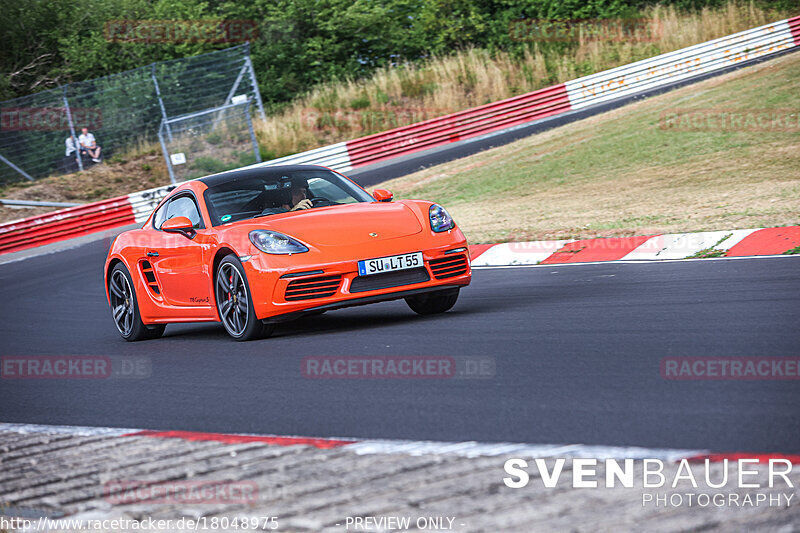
x=380 y=265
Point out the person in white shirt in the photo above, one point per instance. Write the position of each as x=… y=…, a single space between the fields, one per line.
x=71 y=147
x=89 y=145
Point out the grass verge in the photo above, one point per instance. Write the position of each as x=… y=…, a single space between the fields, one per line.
x=620 y=173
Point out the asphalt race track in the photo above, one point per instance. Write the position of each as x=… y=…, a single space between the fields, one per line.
x=576 y=350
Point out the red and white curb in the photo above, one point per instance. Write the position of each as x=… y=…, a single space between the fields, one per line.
x=733 y=243
x=468 y=449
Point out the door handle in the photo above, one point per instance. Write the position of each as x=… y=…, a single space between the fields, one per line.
x=152 y=254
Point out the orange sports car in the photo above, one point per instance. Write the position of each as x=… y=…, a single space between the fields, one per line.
x=258 y=246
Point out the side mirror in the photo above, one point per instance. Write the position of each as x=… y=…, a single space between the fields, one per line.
x=382 y=195
x=179 y=225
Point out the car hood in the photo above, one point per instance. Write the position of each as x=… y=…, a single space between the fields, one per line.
x=344 y=224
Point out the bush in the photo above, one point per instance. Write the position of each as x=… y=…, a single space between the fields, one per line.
x=214 y=138
x=362 y=102
x=209 y=164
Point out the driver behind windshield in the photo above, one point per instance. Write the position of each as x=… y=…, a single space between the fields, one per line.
x=298 y=197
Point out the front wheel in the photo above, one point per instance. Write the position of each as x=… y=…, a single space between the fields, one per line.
x=431 y=303
x=125 y=308
x=235 y=302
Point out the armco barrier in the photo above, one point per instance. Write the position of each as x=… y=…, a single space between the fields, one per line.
x=683 y=64
x=65 y=224
x=82 y=220
x=627 y=80
x=473 y=122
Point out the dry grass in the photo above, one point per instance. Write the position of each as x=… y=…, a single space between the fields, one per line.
x=619 y=174
x=403 y=95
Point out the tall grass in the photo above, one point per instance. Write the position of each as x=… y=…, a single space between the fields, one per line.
x=408 y=93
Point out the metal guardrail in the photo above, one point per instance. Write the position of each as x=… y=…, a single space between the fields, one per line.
x=685 y=63
x=31 y=203
x=65 y=224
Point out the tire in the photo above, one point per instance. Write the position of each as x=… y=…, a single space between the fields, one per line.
x=431 y=303
x=235 y=302
x=125 y=308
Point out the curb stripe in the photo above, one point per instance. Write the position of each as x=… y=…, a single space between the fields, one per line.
x=595 y=250
x=735 y=243
x=410 y=447
x=767 y=241
x=232 y=438
x=475 y=250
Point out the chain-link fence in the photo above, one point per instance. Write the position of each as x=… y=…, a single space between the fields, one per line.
x=123 y=111
x=202 y=143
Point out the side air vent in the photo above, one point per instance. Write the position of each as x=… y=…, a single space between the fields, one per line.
x=449 y=267
x=150 y=277
x=314 y=287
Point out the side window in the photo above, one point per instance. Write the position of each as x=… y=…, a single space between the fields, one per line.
x=183 y=206
x=160 y=216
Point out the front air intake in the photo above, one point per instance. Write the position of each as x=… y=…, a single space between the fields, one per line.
x=449 y=267
x=315 y=287
x=389 y=279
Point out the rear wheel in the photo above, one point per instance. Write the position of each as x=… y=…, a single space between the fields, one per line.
x=235 y=302
x=125 y=307
x=431 y=303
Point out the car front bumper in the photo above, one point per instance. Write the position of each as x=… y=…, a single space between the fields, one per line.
x=288 y=291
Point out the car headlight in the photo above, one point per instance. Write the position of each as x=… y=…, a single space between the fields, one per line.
x=272 y=242
x=440 y=219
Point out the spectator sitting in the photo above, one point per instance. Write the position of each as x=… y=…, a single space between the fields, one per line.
x=69 y=163
x=89 y=145
x=71 y=146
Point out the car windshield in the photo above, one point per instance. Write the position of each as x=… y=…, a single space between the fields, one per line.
x=274 y=193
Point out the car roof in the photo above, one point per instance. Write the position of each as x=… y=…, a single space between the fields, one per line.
x=258 y=172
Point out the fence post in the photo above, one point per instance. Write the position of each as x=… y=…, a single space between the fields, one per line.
x=244 y=68
x=249 y=64
x=166 y=152
x=15 y=167
x=160 y=101
x=252 y=133
x=75 y=142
